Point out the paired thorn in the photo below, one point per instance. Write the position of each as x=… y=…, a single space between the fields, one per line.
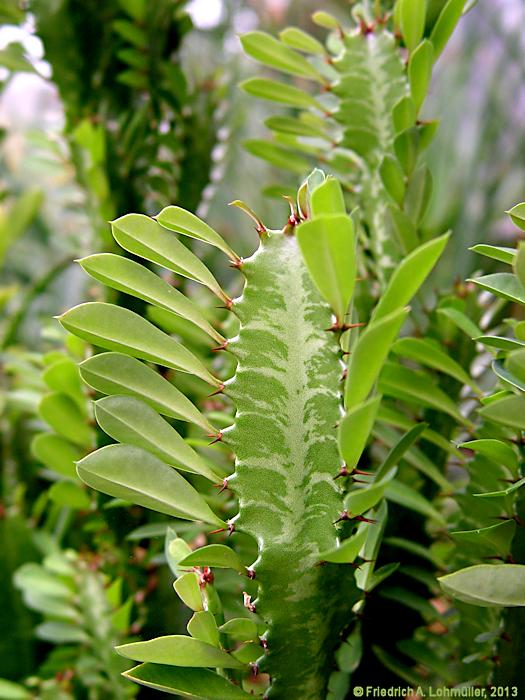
x=219 y=390
x=230 y=530
x=228 y=304
x=217 y=437
x=222 y=487
x=345 y=516
x=237 y=264
x=248 y=602
x=222 y=346
x=341 y=327
x=342 y=472
x=294 y=219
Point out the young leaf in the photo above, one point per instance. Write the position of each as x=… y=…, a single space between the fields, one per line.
x=269 y=51
x=241 y=629
x=412 y=19
x=203 y=626
x=445 y=24
x=487 y=585
x=130 y=473
x=116 y=328
x=420 y=72
x=325 y=20
x=186 y=223
x=328 y=248
x=178 y=650
x=134 y=279
x=188 y=589
x=114 y=373
x=349 y=549
x=186 y=682
x=214 y=555
x=361 y=499
x=500 y=253
x=274 y=91
x=369 y=355
x=130 y=420
x=326 y=198
x=409 y=276
x=517 y=214
x=142 y=236
x=354 y=431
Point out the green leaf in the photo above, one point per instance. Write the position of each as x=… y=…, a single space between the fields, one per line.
x=369 y=355
x=428 y=353
x=13 y=691
x=393 y=178
x=269 y=51
x=63 y=376
x=459 y=319
x=517 y=214
x=445 y=24
x=354 y=430
x=134 y=279
x=203 y=626
x=214 y=555
x=361 y=499
x=398 y=450
x=175 y=549
x=420 y=72
x=142 y=236
x=70 y=495
x=298 y=39
x=130 y=473
x=502 y=284
x=297 y=127
x=64 y=416
x=364 y=574
x=349 y=549
x=188 y=589
x=418 y=195
x=409 y=276
x=500 y=253
x=412 y=19
x=498 y=342
x=116 y=328
x=185 y=682
x=241 y=629
x=509 y=410
x=519 y=264
x=34 y=578
x=328 y=248
x=114 y=373
x=274 y=91
x=178 y=650
x=186 y=223
x=349 y=654
x=504 y=373
x=56 y=454
x=404 y=114
x=61 y=633
x=130 y=420
x=503 y=493
x=496 y=538
x=487 y=585
x=277 y=155
x=326 y=198
x=496 y=450
x=406 y=496
x=325 y=20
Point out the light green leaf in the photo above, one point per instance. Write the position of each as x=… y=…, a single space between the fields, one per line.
x=502 y=284
x=487 y=585
x=114 y=373
x=186 y=223
x=445 y=24
x=128 y=276
x=328 y=248
x=326 y=198
x=404 y=114
x=420 y=72
x=496 y=537
x=398 y=450
x=241 y=629
x=269 y=51
x=188 y=589
x=298 y=39
x=13 y=691
x=406 y=496
x=393 y=178
x=519 y=263
x=325 y=20
x=496 y=450
x=409 y=276
x=509 y=410
x=430 y=354
x=178 y=650
x=364 y=575
x=186 y=682
x=504 y=373
x=504 y=492
x=62 y=376
x=34 y=578
x=203 y=626
x=349 y=549
x=297 y=127
x=517 y=214
x=354 y=430
x=175 y=549
x=277 y=155
x=64 y=416
x=412 y=19
x=500 y=253
x=131 y=421
x=361 y=499
x=116 y=328
x=461 y=320
x=369 y=355
x=130 y=473
x=56 y=454
x=61 y=633
x=142 y=236
x=70 y=495
x=274 y=91
x=214 y=555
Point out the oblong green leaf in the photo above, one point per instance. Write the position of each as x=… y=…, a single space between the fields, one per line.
x=184 y=222
x=361 y=499
x=349 y=549
x=203 y=626
x=240 y=628
x=398 y=450
x=406 y=496
x=297 y=127
x=128 y=276
x=269 y=51
x=178 y=650
x=214 y=555
x=326 y=198
x=503 y=493
x=500 y=253
x=130 y=473
x=188 y=589
x=496 y=450
x=420 y=71
x=328 y=247
x=502 y=284
x=509 y=410
x=115 y=373
x=497 y=538
x=274 y=91
x=70 y=495
x=517 y=214
x=277 y=155
x=369 y=355
x=412 y=15
x=131 y=421
x=116 y=328
x=298 y=39
x=56 y=454
x=140 y=235
x=354 y=430
x=487 y=585
x=445 y=24
x=64 y=416
x=195 y=683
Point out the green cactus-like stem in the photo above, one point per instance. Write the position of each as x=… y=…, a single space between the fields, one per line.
x=287 y=394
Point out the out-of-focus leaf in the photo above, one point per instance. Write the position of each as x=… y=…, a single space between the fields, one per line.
x=445 y=24
x=412 y=19
x=509 y=410
x=487 y=585
x=56 y=454
x=274 y=91
x=70 y=495
x=502 y=284
x=406 y=496
x=64 y=416
x=298 y=39
x=269 y=51
x=420 y=72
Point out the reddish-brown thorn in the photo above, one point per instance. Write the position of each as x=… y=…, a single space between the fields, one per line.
x=263 y=643
x=222 y=487
x=216 y=532
x=294 y=218
x=219 y=390
x=255 y=670
x=359 y=481
x=248 y=602
x=237 y=264
x=505 y=637
x=358 y=471
x=345 y=371
x=362 y=519
x=217 y=437
x=250 y=573
x=342 y=472
x=341 y=327
x=222 y=346
x=343 y=517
